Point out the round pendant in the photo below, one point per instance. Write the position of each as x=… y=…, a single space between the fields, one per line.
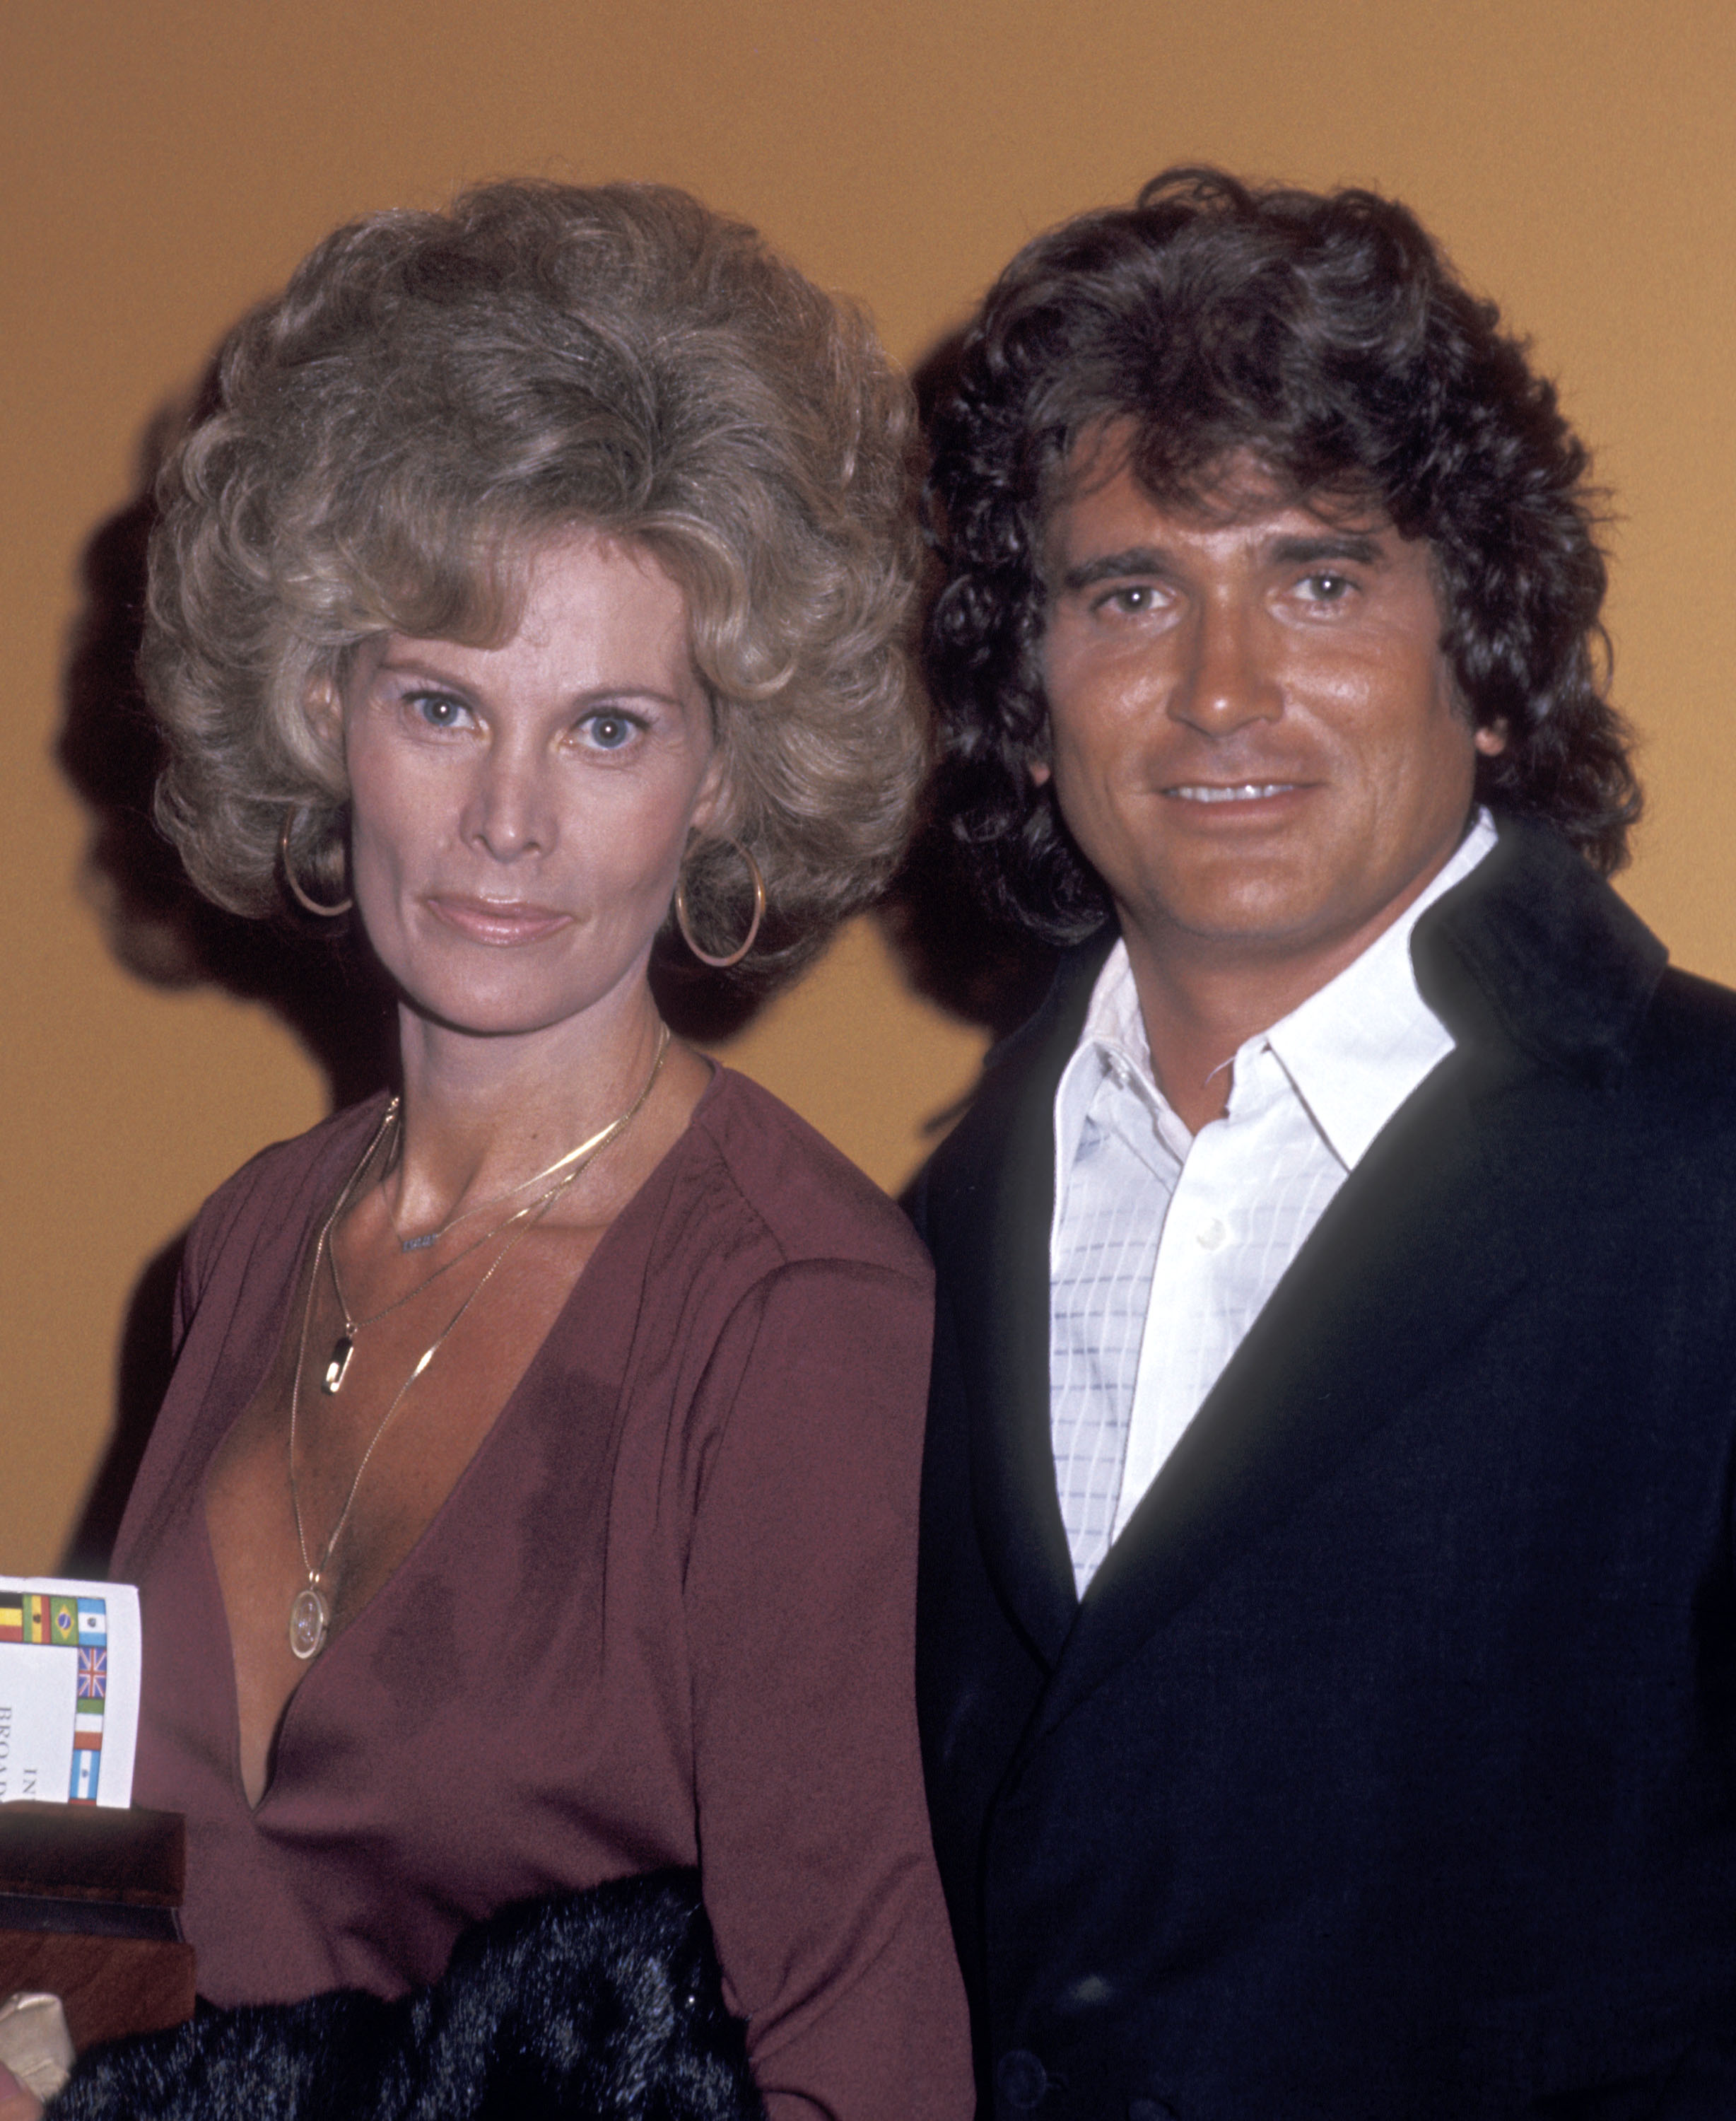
x=309 y=1617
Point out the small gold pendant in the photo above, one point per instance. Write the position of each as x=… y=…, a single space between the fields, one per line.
x=309 y=1617
x=342 y=1348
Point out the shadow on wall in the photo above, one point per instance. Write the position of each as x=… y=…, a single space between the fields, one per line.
x=326 y=991
x=327 y=988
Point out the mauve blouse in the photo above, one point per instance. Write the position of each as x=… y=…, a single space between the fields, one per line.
x=665 y=1616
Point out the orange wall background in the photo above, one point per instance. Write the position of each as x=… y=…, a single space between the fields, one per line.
x=164 y=166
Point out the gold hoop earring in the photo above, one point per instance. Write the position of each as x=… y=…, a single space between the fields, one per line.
x=296 y=891
x=735 y=957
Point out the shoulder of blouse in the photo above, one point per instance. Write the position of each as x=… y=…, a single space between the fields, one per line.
x=809 y=1201
x=262 y=1192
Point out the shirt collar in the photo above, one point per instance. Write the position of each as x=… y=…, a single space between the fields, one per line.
x=1112 y=1050
x=1353 y=1051
x=1356 y=1049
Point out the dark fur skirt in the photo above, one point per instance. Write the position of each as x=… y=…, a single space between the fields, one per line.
x=604 y=2006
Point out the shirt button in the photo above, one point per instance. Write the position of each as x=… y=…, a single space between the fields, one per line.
x=1020 y=2079
x=1210 y=1234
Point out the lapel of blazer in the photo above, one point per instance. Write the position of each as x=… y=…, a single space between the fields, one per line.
x=1535 y=964
x=991 y=1202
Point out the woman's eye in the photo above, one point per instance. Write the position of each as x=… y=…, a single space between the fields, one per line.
x=437 y=709
x=608 y=732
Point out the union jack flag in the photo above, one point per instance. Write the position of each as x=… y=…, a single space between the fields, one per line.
x=93 y=1674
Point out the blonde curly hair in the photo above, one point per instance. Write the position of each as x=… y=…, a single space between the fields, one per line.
x=434 y=396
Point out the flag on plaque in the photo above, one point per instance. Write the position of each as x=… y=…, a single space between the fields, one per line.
x=69 y=1678
x=93 y=1676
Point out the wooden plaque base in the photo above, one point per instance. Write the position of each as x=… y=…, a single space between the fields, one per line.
x=88 y=1901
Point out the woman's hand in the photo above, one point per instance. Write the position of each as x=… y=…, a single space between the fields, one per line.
x=35 y=2053
x=17 y=2103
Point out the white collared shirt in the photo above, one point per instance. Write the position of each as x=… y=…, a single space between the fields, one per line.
x=1165 y=1246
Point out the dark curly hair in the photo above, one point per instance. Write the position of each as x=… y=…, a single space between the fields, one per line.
x=1327 y=336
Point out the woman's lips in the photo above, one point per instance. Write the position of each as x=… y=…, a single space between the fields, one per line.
x=497 y=922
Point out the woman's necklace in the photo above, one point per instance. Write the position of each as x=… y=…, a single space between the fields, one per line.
x=310 y=1617
x=570 y=1166
x=593 y=1145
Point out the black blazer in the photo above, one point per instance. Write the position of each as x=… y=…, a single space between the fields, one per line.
x=1389 y=1767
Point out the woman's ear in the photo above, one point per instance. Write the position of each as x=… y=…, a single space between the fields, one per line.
x=323 y=707
x=714 y=802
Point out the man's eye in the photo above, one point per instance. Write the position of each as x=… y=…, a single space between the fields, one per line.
x=1134 y=596
x=1327 y=587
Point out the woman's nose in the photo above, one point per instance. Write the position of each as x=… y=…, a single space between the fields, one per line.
x=510 y=811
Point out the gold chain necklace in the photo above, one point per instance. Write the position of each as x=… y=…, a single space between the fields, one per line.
x=593 y=1144
x=343 y=1347
x=310 y=1617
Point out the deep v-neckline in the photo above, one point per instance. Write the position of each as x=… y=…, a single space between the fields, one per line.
x=487 y=1446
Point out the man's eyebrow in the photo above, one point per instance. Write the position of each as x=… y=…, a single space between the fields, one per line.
x=1355 y=548
x=1115 y=567
x=1361 y=548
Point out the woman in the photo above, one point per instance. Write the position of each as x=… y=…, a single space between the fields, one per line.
x=533 y=1503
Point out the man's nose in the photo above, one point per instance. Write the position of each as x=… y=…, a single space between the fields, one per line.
x=509 y=810
x=1228 y=677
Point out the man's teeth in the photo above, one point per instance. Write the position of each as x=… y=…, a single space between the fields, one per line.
x=1248 y=792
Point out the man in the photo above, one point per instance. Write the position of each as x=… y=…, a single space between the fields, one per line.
x=1327 y=1626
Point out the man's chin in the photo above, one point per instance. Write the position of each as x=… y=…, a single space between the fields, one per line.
x=1279 y=920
